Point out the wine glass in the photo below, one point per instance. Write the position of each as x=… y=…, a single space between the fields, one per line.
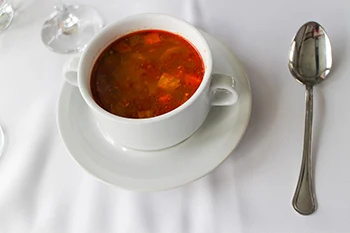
x=70 y=28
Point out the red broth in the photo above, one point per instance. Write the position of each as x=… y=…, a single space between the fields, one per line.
x=146 y=74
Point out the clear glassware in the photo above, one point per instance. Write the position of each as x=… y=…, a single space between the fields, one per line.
x=70 y=28
x=6 y=14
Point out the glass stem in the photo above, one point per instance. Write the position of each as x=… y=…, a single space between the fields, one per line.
x=60 y=6
x=68 y=22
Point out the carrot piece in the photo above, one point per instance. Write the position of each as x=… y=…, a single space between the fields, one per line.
x=152 y=38
x=168 y=82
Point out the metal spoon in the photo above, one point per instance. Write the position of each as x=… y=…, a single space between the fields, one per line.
x=310 y=60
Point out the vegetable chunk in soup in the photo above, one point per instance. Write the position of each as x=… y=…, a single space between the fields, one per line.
x=146 y=74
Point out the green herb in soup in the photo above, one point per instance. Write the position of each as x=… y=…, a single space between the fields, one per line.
x=146 y=74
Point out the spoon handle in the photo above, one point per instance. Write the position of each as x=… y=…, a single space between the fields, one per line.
x=304 y=200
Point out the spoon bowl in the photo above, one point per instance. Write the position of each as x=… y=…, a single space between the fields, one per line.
x=310 y=61
x=310 y=57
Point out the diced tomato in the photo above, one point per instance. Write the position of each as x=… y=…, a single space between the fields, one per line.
x=192 y=80
x=152 y=38
x=165 y=98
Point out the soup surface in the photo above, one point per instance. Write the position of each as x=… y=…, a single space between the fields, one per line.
x=146 y=74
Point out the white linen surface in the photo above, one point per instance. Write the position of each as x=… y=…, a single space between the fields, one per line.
x=42 y=189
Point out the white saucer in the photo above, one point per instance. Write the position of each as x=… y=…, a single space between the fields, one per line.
x=164 y=169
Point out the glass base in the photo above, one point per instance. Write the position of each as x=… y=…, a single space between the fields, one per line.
x=71 y=29
x=6 y=15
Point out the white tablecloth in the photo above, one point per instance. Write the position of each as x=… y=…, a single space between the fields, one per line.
x=43 y=190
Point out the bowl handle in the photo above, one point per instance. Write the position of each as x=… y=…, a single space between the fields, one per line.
x=70 y=71
x=223 y=90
